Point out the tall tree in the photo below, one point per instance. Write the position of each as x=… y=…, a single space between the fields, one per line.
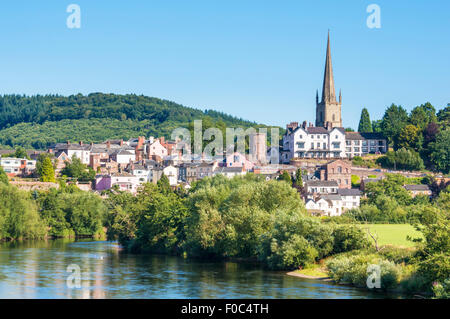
x=48 y=173
x=422 y=115
x=410 y=137
x=365 y=125
x=440 y=151
x=394 y=120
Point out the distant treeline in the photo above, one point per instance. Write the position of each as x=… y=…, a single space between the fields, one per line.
x=38 y=121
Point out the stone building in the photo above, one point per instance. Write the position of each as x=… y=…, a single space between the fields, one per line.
x=329 y=109
x=339 y=171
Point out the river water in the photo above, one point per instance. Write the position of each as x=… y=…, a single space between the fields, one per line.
x=48 y=269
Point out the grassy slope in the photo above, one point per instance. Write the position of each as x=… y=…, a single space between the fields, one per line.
x=393 y=234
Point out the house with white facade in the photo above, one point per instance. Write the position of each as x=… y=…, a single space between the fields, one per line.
x=351 y=198
x=171 y=172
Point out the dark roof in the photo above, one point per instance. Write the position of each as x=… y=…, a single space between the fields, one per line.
x=322 y=183
x=417 y=187
x=229 y=170
x=331 y=197
x=363 y=136
x=316 y=130
x=349 y=192
x=369 y=180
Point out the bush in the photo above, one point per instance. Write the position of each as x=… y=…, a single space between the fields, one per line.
x=442 y=290
x=353 y=270
x=347 y=238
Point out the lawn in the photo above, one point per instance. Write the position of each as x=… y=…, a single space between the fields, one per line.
x=393 y=234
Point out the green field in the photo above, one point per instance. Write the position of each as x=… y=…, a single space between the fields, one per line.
x=393 y=234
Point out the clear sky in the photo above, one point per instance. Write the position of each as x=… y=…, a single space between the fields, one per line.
x=259 y=60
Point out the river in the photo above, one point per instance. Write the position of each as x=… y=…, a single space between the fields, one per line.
x=39 y=269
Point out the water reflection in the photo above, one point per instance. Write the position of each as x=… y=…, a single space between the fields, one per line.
x=38 y=269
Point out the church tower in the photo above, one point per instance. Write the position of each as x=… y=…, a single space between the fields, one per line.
x=329 y=109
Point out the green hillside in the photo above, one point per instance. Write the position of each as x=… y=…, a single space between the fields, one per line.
x=39 y=121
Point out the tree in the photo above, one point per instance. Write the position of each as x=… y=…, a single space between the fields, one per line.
x=3 y=177
x=440 y=151
x=164 y=184
x=285 y=176
x=422 y=115
x=76 y=169
x=40 y=161
x=48 y=173
x=365 y=126
x=394 y=120
x=410 y=137
x=298 y=178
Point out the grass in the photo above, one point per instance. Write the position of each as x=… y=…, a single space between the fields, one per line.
x=316 y=270
x=393 y=234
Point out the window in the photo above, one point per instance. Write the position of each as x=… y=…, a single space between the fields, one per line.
x=348 y=143
x=334 y=117
x=301 y=144
x=339 y=169
x=337 y=137
x=324 y=145
x=312 y=146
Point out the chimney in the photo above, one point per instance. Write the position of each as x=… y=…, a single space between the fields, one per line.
x=81 y=143
x=108 y=144
x=68 y=142
x=304 y=124
x=329 y=125
x=161 y=140
x=121 y=142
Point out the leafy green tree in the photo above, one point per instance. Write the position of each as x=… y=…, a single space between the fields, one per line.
x=164 y=184
x=76 y=169
x=47 y=171
x=365 y=125
x=422 y=115
x=19 y=218
x=3 y=177
x=401 y=159
x=285 y=176
x=298 y=178
x=394 y=120
x=410 y=137
x=440 y=151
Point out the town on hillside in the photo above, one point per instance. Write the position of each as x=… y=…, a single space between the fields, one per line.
x=318 y=159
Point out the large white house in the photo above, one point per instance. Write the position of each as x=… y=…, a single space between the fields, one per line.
x=312 y=142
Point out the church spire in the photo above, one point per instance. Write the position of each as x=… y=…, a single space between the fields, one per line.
x=328 y=92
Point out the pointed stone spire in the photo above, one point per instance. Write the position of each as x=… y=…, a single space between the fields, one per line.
x=328 y=92
x=317 y=96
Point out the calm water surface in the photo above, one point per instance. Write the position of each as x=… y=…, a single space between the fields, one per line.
x=39 y=270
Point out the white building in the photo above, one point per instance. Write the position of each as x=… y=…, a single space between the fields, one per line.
x=312 y=142
x=351 y=198
x=171 y=172
x=17 y=166
x=123 y=156
x=321 y=187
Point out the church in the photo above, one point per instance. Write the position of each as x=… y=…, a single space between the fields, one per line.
x=327 y=138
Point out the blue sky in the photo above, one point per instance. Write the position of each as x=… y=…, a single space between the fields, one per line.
x=259 y=60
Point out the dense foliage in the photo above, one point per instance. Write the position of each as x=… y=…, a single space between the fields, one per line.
x=387 y=201
x=39 y=121
x=243 y=217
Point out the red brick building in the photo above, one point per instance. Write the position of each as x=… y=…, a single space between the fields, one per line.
x=339 y=171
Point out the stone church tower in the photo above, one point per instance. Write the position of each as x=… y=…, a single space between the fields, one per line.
x=329 y=109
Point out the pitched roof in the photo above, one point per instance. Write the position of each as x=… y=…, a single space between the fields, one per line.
x=321 y=184
x=417 y=187
x=363 y=136
x=349 y=192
